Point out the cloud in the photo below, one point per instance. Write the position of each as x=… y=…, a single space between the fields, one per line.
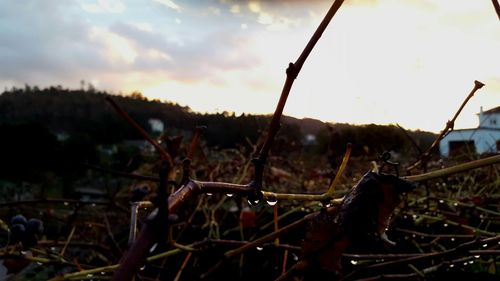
x=42 y=43
x=194 y=59
x=169 y=4
x=102 y=6
x=117 y=49
x=273 y=16
x=235 y=9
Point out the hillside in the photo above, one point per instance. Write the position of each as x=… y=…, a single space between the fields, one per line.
x=86 y=113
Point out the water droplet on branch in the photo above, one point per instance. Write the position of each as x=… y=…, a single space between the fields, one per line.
x=253 y=202
x=271 y=202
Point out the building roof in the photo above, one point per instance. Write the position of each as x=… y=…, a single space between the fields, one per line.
x=493 y=110
x=476 y=129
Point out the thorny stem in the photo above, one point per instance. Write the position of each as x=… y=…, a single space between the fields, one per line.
x=449 y=127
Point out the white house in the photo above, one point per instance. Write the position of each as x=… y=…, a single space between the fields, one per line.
x=156 y=125
x=483 y=139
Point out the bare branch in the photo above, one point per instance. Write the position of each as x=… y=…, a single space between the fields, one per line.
x=497 y=7
x=163 y=153
x=449 y=127
x=291 y=73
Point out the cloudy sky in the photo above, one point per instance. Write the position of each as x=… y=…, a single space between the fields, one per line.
x=410 y=62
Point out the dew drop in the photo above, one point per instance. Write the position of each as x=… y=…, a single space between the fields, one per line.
x=230 y=195
x=354 y=262
x=39 y=263
x=142 y=268
x=477 y=256
x=441 y=201
x=455 y=204
x=66 y=203
x=93 y=205
x=90 y=275
x=103 y=273
x=295 y=257
x=452 y=239
x=465 y=263
x=445 y=225
x=485 y=245
x=414 y=217
x=452 y=265
x=272 y=202
x=471 y=262
x=153 y=247
x=23 y=252
x=329 y=205
x=259 y=248
x=253 y=202
x=209 y=194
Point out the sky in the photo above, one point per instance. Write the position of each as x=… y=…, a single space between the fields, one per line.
x=410 y=62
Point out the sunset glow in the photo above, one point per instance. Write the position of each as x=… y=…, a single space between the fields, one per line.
x=410 y=62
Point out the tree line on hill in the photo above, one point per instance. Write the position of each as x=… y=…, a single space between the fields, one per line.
x=31 y=119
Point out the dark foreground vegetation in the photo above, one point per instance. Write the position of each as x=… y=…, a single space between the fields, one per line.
x=85 y=212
